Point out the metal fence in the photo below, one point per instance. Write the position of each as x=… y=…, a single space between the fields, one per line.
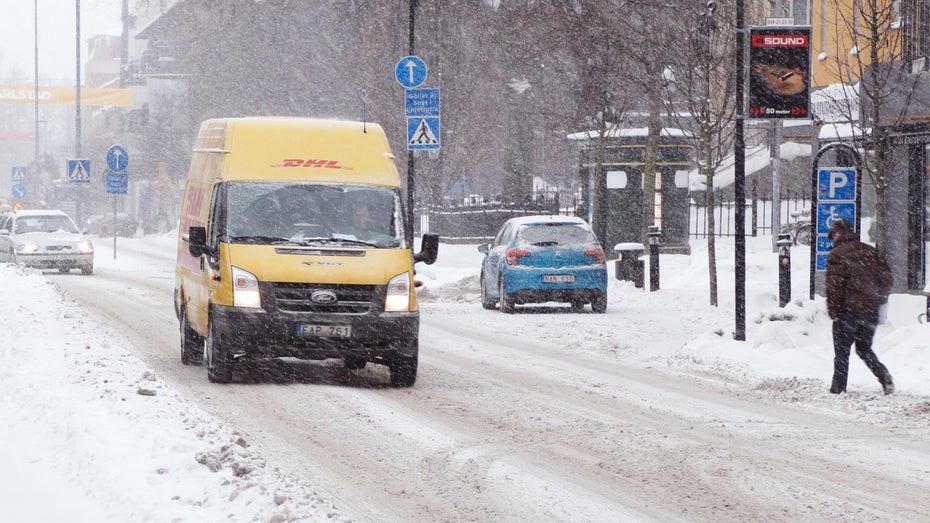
x=758 y=215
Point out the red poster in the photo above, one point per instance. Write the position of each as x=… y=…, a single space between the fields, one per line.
x=779 y=72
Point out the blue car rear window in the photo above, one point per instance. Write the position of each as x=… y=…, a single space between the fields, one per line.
x=542 y=235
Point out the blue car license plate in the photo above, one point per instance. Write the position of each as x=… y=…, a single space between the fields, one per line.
x=559 y=278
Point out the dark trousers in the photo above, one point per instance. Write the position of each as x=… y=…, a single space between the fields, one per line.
x=858 y=328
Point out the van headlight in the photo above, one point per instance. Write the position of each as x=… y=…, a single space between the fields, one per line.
x=245 y=289
x=27 y=248
x=398 y=293
x=85 y=247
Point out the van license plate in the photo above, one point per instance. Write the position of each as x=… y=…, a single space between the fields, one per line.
x=333 y=331
x=559 y=278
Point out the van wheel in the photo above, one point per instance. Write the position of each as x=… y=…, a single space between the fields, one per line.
x=404 y=368
x=354 y=362
x=218 y=368
x=87 y=270
x=507 y=303
x=191 y=343
x=486 y=301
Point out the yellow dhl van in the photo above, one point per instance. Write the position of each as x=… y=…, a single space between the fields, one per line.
x=292 y=244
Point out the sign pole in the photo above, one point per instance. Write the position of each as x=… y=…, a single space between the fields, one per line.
x=113 y=227
x=815 y=226
x=411 y=162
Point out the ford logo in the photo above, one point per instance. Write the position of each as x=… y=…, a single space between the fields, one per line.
x=323 y=297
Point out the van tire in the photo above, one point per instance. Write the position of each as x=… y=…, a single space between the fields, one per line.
x=404 y=368
x=354 y=362
x=87 y=270
x=191 y=343
x=218 y=368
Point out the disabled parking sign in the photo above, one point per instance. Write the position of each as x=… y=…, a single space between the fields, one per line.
x=836 y=200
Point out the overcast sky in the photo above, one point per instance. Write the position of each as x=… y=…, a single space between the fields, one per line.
x=56 y=35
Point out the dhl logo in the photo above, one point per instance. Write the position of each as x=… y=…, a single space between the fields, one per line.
x=318 y=164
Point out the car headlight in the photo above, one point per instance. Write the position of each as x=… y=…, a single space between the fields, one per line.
x=398 y=293
x=27 y=248
x=245 y=289
x=85 y=247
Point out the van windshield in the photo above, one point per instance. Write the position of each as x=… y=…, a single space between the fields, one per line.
x=312 y=213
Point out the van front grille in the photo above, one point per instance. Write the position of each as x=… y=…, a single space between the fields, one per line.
x=298 y=297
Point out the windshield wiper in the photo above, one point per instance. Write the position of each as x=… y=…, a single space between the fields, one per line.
x=258 y=239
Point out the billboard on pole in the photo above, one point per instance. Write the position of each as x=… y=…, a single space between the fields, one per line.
x=779 y=67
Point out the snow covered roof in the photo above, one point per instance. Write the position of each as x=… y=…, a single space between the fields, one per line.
x=757 y=158
x=625 y=132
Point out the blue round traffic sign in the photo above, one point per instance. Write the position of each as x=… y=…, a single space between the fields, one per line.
x=19 y=191
x=410 y=71
x=117 y=159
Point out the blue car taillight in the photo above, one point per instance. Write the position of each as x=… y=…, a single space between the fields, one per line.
x=514 y=254
x=598 y=254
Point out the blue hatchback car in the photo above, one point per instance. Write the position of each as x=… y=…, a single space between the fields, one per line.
x=536 y=259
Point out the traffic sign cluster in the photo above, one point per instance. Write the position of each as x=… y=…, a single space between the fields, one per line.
x=836 y=200
x=421 y=105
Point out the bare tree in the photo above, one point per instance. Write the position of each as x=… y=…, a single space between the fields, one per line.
x=874 y=65
x=703 y=86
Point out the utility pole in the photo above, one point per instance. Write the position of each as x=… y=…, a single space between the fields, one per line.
x=77 y=99
x=411 y=165
x=739 y=185
x=35 y=175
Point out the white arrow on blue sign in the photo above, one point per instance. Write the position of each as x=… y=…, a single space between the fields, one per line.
x=19 y=191
x=117 y=159
x=410 y=71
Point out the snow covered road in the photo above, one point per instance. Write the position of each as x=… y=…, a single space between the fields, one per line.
x=542 y=415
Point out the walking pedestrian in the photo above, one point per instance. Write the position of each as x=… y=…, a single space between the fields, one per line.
x=858 y=282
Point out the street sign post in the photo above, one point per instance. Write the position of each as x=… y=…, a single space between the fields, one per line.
x=421 y=102
x=410 y=71
x=422 y=110
x=836 y=200
x=423 y=134
x=117 y=183
x=19 y=191
x=79 y=170
x=117 y=159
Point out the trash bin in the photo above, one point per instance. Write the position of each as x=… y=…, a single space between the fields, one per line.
x=629 y=264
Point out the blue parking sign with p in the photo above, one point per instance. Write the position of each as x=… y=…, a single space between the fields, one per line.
x=836 y=185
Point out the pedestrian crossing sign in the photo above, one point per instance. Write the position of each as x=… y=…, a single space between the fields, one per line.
x=423 y=134
x=79 y=171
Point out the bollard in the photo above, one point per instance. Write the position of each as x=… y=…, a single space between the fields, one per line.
x=784 y=269
x=654 y=236
x=629 y=266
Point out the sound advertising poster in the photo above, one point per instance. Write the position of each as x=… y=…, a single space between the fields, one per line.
x=779 y=72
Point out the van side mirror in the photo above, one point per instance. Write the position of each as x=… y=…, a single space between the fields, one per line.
x=429 y=249
x=197 y=241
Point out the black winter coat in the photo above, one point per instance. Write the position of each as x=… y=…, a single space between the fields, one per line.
x=858 y=278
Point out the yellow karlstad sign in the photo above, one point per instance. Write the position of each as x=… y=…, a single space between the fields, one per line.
x=21 y=94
